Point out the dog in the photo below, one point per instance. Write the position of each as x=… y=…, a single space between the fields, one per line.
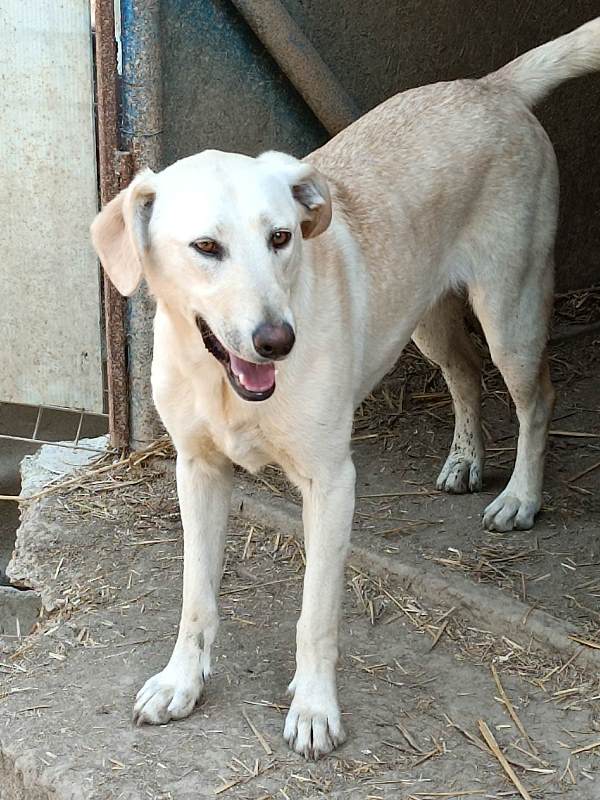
x=286 y=289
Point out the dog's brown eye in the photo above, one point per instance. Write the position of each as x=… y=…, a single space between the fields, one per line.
x=279 y=239
x=207 y=247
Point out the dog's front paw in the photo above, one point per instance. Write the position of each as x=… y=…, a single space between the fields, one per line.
x=313 y=726
x=171 y=694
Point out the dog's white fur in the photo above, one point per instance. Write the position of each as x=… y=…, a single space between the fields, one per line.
x=441 y=193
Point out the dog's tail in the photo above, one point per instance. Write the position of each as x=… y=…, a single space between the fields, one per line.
x=536 y=73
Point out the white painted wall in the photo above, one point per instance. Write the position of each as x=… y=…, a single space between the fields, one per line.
x=50 y=342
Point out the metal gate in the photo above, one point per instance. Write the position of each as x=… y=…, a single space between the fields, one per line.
x=50 y=333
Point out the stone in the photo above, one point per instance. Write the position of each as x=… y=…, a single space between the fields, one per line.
x=19 y=611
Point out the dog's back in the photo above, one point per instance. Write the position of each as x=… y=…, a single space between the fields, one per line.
x=454 y=153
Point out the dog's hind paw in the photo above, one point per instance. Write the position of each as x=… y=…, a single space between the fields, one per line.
x=171 y=694
x=460 y=474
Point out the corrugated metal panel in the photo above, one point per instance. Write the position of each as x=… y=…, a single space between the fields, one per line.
x=50 y=345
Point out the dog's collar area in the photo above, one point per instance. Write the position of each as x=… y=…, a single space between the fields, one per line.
x=250 y=381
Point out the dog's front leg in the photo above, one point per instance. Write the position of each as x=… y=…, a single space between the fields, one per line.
x=314 y=726
x=204 y=497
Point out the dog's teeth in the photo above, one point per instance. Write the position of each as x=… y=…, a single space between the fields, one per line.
x=241 y=379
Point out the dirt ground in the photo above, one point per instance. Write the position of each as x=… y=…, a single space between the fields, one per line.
x=419 y=679
x=412 y=709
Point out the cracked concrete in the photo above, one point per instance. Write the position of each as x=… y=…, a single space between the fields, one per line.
x=19 y=420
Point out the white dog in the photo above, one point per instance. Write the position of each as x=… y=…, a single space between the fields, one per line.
x=285 y=291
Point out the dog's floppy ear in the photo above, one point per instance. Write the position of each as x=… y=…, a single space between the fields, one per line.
x=309 y=188
x=120 y=232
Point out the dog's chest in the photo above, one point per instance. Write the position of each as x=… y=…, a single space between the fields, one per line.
x=245 y=445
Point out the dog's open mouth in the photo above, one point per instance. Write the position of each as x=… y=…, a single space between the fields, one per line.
x=251 y=381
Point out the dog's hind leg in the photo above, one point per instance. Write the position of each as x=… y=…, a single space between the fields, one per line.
x=204 y=491
x=442 y=337
x=515 y=321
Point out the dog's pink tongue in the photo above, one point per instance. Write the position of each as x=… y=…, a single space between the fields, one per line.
x=254 y=377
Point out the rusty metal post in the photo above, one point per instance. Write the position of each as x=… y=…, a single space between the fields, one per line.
x=141 y=132
x=114 y=304
x=300 y=62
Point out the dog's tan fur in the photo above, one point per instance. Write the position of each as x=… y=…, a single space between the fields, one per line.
x=439 y=194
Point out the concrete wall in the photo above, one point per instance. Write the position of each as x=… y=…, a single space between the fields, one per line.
x=49 y=297
x=221 y=89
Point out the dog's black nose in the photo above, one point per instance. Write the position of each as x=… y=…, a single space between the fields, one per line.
x=273 y=341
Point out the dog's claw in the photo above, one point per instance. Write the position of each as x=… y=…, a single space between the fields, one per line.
x=313 y=728
x=313 y=735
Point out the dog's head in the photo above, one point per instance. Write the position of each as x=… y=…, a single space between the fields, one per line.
x=218 y=237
